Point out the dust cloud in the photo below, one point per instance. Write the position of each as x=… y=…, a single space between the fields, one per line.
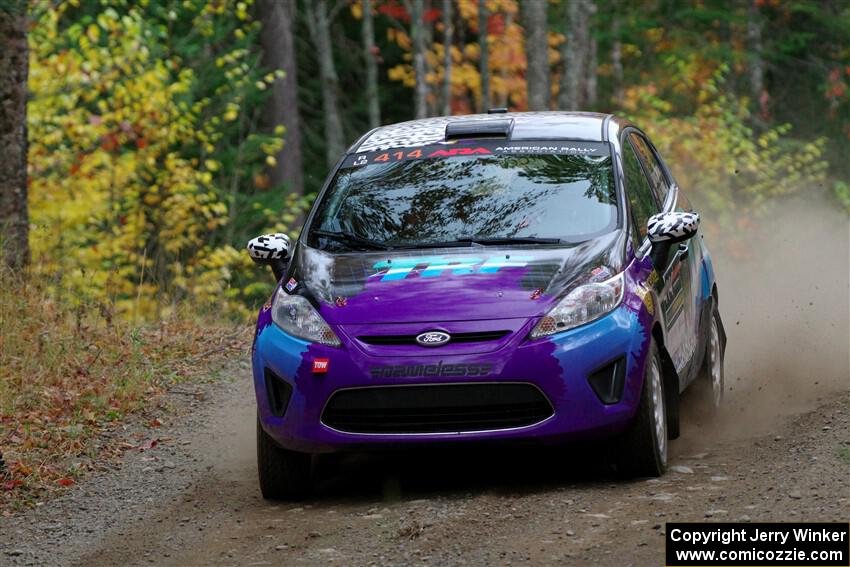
x=785 y=304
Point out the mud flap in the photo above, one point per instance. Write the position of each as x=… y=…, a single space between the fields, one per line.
x=671 y=394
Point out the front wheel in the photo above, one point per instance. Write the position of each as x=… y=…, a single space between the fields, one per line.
x=643 y=448
x=284 y=474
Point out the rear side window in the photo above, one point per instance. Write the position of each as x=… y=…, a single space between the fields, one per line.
x=640 y=195
x=657 y=179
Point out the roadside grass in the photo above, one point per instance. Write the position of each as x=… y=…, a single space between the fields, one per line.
x=71 y=377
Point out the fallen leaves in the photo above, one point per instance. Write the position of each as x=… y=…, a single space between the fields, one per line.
x=59 y=424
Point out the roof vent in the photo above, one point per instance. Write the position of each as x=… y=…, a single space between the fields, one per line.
x=472 y=129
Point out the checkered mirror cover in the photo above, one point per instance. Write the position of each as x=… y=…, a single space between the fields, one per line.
x=671 y=226
x=273 y=246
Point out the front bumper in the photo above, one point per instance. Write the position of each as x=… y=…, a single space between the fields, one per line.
x=559 y=366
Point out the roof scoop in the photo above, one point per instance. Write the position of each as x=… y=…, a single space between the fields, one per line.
x=475 y=129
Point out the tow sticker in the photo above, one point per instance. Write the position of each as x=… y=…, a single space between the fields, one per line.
x=320 y=365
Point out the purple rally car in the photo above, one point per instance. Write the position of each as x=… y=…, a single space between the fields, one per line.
x=507 y=276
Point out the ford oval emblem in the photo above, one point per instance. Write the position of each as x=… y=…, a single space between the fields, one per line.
x=433 y=338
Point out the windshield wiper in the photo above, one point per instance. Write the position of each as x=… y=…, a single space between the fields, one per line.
x=471 y=241
x=352 y=239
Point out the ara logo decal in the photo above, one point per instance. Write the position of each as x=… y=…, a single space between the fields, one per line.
x=460 y=152
x=432 y=266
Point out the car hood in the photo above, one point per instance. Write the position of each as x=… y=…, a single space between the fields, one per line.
x=449 y=284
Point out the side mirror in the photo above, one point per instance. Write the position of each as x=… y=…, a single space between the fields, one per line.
x=672 y=227
x=270 y=250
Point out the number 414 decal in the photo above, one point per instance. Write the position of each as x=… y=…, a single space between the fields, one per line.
x=418 y=154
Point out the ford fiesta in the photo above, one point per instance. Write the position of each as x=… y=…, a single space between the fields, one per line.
x=507 y=276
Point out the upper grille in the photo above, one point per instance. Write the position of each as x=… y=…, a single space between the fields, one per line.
x=436 y=408
x=476 y=337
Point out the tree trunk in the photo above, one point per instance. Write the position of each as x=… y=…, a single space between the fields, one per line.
x=537 y=54
x=617 y=58
x=579 y=57
x=448 y=30
x=504 y=73
x=278 y=18
x=756 y=63
x=484 y=59
x=371 y=66
x=592 y=62
x=417 y=34
x=319 y=26
x=14 y=218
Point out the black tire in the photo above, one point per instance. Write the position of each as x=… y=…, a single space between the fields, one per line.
x=284 y=474
x=640 y=453
x=710 y=385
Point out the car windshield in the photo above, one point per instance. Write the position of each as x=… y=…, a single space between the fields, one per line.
x=465 y=196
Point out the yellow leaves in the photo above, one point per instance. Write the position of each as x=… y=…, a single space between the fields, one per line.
x=399 y=37
x=93 y=33
x=402 y=73
x=271 y=161
x=231 y=113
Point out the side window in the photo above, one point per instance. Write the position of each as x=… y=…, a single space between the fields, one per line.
x=656 y=173
x=640 y=196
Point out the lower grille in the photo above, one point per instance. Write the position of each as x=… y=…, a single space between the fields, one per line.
x=437 y=408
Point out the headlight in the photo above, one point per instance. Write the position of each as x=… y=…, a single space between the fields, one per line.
x=582 y=305
x=296 y=316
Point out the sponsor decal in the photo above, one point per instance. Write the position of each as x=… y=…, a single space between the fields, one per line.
x=433 y=266
x=460 y=152
x=291 y=284
x=600 y=274
x=320 y=365
x=341 y=301
x=535 y=295
x=652 y=279
x=452 y=149
x=646 y=298
x=430 y=370
x=544 y=150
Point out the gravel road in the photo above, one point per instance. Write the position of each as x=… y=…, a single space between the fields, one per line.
x=193 y=499
x=780 y=450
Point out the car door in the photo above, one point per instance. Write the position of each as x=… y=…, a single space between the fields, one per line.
x=649 y=184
